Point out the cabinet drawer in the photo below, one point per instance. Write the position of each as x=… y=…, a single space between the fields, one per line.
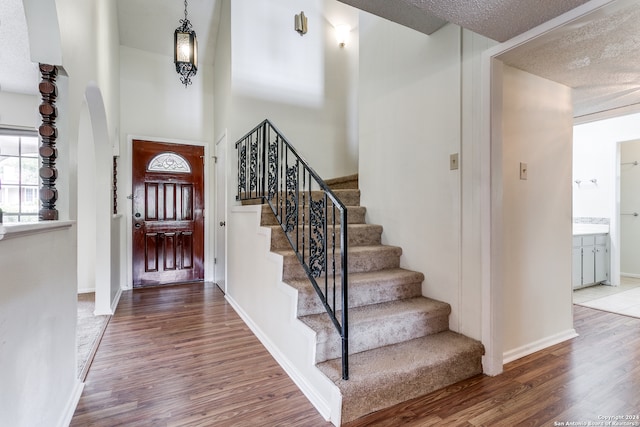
x=588 y=240
x=601 y=239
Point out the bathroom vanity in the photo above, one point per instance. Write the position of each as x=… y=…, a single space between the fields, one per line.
x=590 y=254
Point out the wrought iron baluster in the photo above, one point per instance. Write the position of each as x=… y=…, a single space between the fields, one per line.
x=304 y=211
x=345 y=292
x=270 y=169
x=297 y=228
x=263 y=165
x=333 y=249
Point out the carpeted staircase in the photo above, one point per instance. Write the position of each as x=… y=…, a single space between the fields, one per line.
x=400 y=345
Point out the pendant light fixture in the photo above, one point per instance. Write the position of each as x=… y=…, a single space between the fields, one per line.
x=185 y=50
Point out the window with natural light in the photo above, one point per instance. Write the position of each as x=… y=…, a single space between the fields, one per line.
x=19 y=180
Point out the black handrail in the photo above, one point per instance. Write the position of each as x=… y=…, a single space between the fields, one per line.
x=310 y=214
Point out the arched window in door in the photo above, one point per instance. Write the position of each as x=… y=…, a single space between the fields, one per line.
x=169 y=162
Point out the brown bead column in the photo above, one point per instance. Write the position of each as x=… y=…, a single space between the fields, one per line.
x=48 y=135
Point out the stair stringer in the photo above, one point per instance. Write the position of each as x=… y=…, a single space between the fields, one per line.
x=269 y=307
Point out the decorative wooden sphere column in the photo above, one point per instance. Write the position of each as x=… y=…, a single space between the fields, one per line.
x=48 y=134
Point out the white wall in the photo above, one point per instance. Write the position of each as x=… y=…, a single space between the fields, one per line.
x=629 y=202
x=410 y=116
x=19 y=110
x=37 y=329
x=593 y=158
x=537 y=128
x=222 y=72
x=38 y=317
x=595 y=148
x=155 y=103
x=306 y=85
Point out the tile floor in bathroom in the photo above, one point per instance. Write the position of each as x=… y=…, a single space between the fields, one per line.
x=623 y=299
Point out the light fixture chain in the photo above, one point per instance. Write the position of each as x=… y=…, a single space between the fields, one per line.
x=185 y=10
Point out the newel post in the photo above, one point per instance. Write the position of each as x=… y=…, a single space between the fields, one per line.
x=48 y=134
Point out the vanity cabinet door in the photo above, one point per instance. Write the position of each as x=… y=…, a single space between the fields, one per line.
x=601 y=263
x=576 y=276
x=588 y=264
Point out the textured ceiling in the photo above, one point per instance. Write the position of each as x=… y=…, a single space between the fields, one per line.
x=17 y=73
x=499 y=20
x=598 y=56
x=403 y=12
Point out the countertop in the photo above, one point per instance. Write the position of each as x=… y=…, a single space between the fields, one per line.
x=584 y=229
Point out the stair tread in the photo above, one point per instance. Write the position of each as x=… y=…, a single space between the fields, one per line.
x=375 y=312
x=399 y=360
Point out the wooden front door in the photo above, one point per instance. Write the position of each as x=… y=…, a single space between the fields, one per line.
x=168 y=217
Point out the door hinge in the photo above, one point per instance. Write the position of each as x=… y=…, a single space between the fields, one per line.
x=215 y=159
x=215 y=260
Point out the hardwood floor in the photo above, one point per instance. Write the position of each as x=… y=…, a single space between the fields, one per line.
x=180 y=356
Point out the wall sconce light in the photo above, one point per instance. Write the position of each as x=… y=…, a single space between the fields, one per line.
x=185 y=54
x=342 y=34
x=300 y=23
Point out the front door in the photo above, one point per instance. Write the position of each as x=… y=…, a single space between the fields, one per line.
x=168 y=217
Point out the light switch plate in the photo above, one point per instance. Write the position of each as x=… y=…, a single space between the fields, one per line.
x=523 y=170
x=453 y=161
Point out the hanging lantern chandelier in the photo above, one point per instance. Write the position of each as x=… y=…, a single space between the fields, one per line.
x=185 y=50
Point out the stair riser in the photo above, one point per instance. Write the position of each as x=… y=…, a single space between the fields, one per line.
x=373 y=334
x=360 y=236
x=411 y=385
x=375 y=261
x=355 y=215
x=343 y=182
x=309 y=302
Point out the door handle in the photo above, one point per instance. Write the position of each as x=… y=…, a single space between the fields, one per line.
x=137 y=225
x=223 y=223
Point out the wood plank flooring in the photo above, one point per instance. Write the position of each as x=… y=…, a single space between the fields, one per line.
x=180 y=356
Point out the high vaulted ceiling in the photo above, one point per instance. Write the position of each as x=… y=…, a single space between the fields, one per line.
x=149 y=25
x=595 y=55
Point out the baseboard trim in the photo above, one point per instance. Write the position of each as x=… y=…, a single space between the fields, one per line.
x=116 y=300
x=632 y=275
x=321 y=405
x=72 y=404
x=112 y=308
x=525 y=350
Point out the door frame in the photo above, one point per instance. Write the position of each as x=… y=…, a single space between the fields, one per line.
x=221 y=141
x=490 y=205
x=126 y=167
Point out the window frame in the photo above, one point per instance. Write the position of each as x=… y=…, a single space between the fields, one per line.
x=20 y=214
